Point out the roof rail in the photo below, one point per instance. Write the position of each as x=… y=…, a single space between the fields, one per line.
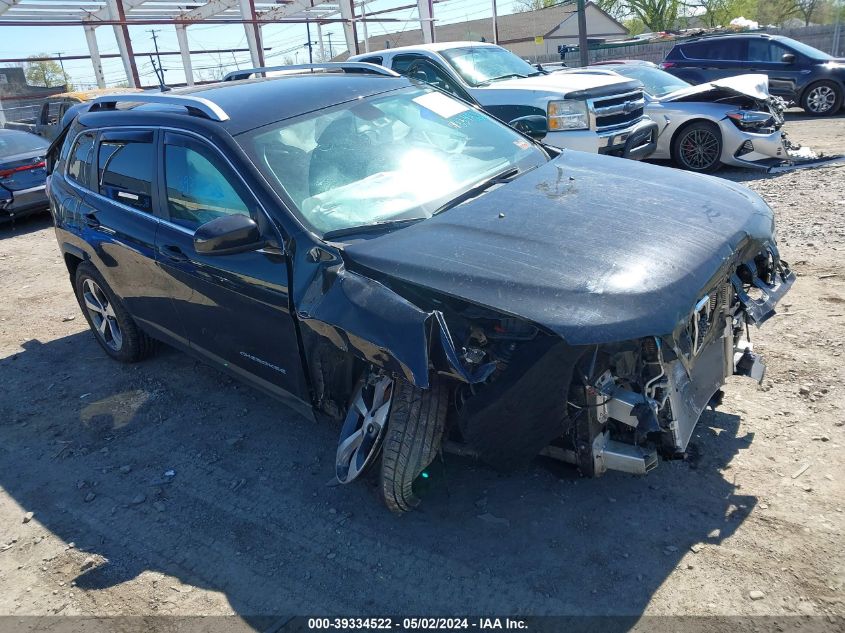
x=194 y=105
x=344 y=66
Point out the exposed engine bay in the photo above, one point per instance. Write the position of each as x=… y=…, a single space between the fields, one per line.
x=626 y=403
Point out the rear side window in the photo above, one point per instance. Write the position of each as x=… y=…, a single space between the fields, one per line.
x=81 y=161
x=125 y=169
x=373 y=60
x=200 y=188
x=675 y=53
x=718 y=48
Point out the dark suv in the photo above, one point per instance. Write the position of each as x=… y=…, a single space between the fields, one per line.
x=797 y=72
x=366 y=247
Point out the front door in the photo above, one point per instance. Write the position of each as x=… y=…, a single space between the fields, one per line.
x=235 y=307
x=766 y=57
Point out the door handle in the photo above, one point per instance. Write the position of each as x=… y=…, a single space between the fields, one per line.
x=173 y=253
x=91 y=220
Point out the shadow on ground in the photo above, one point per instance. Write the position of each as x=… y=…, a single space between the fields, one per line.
x=249 y=512
x=15 y=227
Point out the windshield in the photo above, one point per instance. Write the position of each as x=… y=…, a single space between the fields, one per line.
x=389 y=158
x=656 y=82
x=483 y=64
x=13 y=142
x=803 y=49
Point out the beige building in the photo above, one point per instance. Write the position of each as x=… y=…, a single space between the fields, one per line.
x=529 y=34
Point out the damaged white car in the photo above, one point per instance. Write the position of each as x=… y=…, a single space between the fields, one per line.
x=732 y=121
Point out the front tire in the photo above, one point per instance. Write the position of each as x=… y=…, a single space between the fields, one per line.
x=698 y=147
x=113 y=327
x=412 y=441
x=822 y=98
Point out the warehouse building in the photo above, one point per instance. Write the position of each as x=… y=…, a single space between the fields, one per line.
x=531 y=34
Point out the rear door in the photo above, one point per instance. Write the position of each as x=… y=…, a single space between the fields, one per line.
x=235 y=307
x=117 y=217
x=715 y=58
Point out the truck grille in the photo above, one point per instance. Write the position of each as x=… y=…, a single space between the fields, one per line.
x=617 y=111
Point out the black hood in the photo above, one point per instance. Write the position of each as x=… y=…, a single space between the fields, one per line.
x=594 y=248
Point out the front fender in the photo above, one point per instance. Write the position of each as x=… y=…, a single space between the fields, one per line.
x=365 y=318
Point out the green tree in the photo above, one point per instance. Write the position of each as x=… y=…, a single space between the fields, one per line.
x=617 y=9
x=47 y=73
x=775 y=11
x=721 y=12
x=806 y=9
x=635 y=26
x=657 y=15
x=522 y=6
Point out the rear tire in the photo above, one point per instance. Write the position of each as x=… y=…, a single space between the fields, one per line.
x=120 y=337
x=698 y=147
x=412 y=441
x=823 y=98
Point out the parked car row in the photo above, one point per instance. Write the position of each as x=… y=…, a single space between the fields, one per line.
x=627 y=109
x=726 y=120
x=373 y=250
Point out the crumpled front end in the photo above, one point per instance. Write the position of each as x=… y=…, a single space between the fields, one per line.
x=620 y=405
x=752 y=130
x=644 y=398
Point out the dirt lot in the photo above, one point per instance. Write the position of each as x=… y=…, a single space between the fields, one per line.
x=246 y=523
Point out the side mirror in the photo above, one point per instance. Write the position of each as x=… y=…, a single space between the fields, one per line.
x=228 y=235
x=788 y=58
x=534 y=125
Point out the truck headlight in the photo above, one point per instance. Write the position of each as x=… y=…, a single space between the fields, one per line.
x=568 y=115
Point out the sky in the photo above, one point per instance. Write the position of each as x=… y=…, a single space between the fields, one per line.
x=21 y=41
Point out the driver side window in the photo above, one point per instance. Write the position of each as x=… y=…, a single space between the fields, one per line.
x=428 y=72
x=198 y=189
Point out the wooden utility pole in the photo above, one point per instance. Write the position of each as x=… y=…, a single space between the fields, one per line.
x=582 y=34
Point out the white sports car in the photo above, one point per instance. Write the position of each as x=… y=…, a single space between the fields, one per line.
x=732 y=121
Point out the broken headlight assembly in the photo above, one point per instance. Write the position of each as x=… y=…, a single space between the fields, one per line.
x=753 y=121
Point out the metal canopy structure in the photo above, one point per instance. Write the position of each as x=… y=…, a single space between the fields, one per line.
x=252 y=14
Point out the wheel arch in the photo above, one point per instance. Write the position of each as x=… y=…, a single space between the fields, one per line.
x=73 y=256
x=689 y=123
x=349 y=321
x=810 y=85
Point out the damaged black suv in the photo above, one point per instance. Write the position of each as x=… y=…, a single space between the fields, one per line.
x=373 y=250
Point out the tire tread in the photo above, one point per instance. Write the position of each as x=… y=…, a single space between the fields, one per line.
x=415 y=429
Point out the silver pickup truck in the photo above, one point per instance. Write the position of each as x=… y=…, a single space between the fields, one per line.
x=583 y=111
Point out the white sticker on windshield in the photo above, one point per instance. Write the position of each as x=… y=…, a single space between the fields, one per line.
x=440 y=104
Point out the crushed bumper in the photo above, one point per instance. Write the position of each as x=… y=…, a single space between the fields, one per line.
x=636 y=142
x=747 y=149
x=694 y=363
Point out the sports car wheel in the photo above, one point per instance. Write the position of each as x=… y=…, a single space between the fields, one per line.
x=698 y=147
x=414 y=433
x=822 y=99
x=113 y=328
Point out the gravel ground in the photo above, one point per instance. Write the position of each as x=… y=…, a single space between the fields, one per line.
x=166 y=488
